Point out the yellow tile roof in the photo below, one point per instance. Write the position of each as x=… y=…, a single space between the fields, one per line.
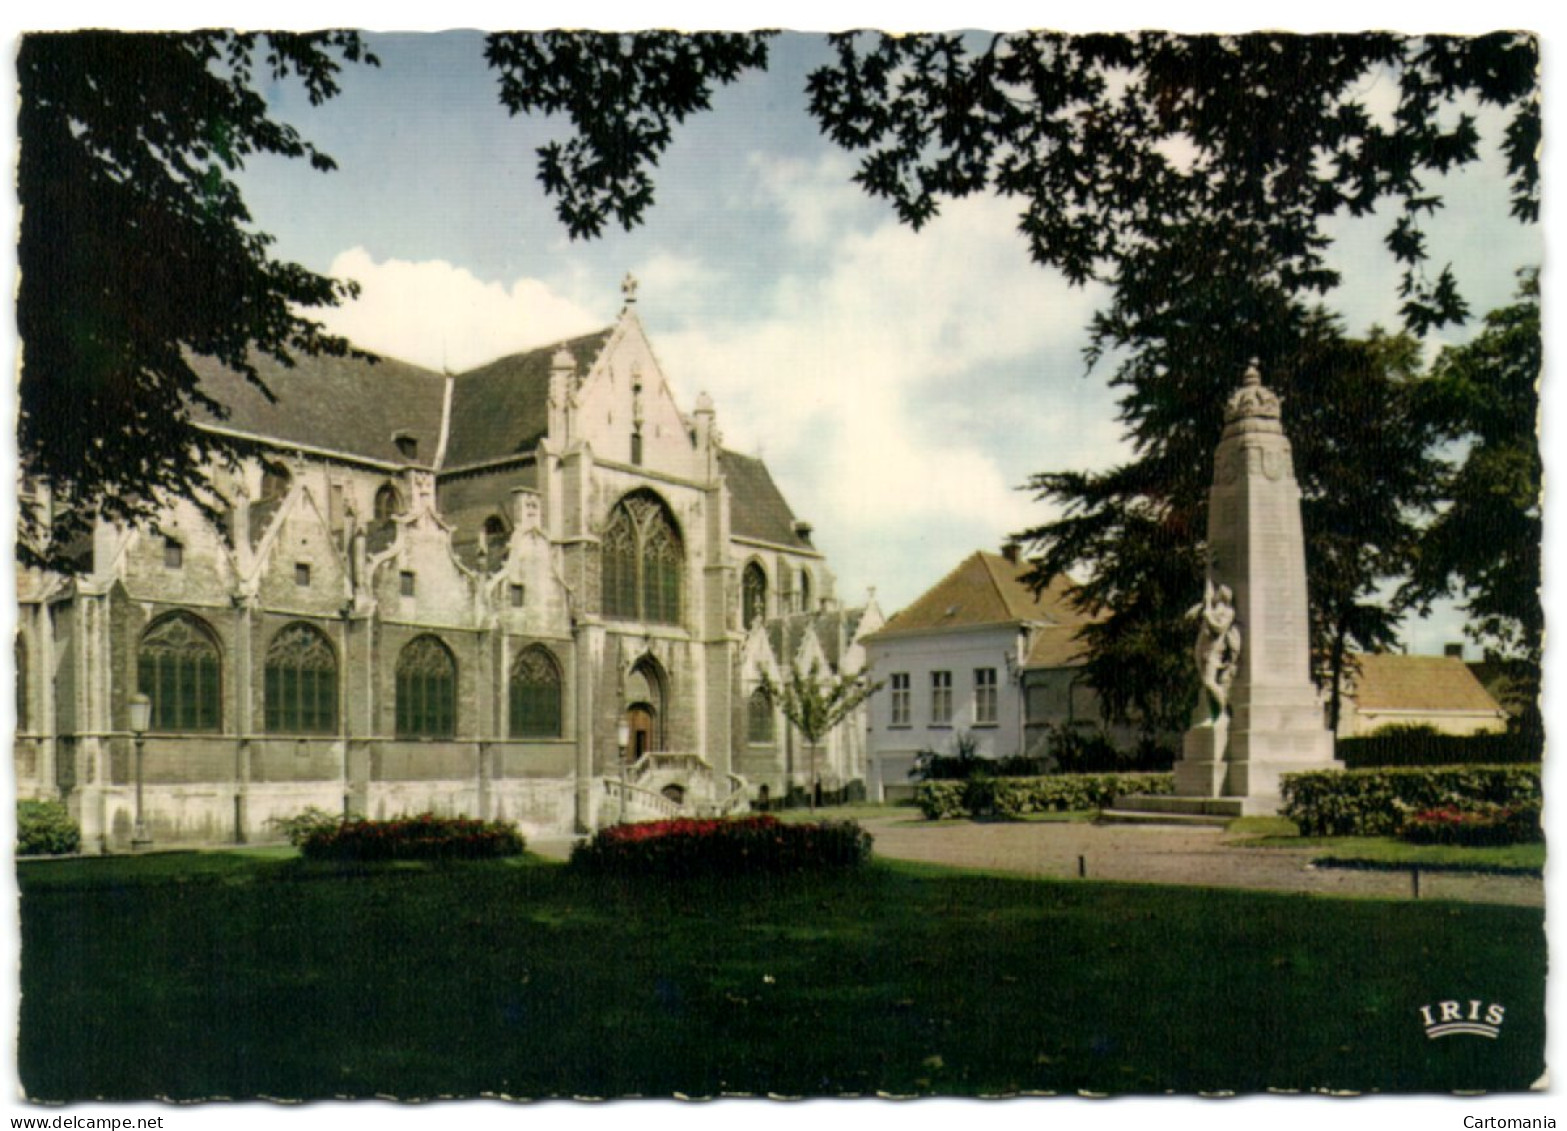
x=1392 y=682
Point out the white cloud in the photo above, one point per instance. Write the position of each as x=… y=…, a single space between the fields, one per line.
x=438 y=315
x=850 y=382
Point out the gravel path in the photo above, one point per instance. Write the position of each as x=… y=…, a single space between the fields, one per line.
x=1163 y=854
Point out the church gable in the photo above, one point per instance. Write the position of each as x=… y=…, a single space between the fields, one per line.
x=626 y=412
x=301 y=568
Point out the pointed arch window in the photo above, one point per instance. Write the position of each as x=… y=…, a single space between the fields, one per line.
x=388 y=503
x=805 y=590
x=426 y=689
x=759 y=718
x=179 y=667
x=535 y=694
x=301 y=682
x=753 y=595
x=643 y=561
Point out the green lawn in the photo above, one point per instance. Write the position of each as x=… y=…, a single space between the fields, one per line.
x=240 y=975
x=1388 y=851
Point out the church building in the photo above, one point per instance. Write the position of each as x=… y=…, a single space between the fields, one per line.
x=535 y=591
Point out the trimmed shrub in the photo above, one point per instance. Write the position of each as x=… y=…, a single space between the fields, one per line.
x=1423 y=746
x=1013 y=797
x=305 y=824
x=722 y=847
x=45 y=828
x=1375 y=802
x=1474 y=826
x=425 y=837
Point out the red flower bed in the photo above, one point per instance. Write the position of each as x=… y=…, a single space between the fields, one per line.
x=722 y=846
x=1474 y=825
x=424 y=837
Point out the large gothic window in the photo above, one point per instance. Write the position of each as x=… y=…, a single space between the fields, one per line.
x=179 y=668
x=753 y=595
x=301 y=682
x=535 y=695
x=426 y=690
x=759 y=718
x=643 y=562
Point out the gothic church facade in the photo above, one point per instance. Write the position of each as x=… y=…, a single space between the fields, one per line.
x=535 y=591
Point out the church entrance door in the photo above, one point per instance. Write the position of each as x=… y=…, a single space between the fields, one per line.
x=640 y=718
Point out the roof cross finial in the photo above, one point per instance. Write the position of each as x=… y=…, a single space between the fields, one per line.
x=628 y=288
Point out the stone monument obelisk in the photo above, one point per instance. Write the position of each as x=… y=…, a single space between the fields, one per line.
x=1259 y=715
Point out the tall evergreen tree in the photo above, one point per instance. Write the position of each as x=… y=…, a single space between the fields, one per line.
x=1484 y=544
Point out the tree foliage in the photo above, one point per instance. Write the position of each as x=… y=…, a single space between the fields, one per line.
x=623 y=93
x=137 y=250
x=1135 y=533
x=1195 y=175
x=1484 y=545
x=814 y=703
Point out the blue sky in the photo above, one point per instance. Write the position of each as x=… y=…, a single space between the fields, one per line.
x=901 y=386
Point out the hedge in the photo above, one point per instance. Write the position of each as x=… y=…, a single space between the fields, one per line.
x=722 y=847
x=1013 y=797
x=1413 y=746
x=1476 y=825
x=425 y=837
x=1375 y=802
x=45 y=828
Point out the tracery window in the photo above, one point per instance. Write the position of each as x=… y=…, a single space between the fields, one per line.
x=426 y=690
x=301 y=682
x=535 y=694
x=759 y=718
x=179 y=667
x=753 y=595
x=643 y=562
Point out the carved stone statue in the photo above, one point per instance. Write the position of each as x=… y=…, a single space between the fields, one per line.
x=1218 y=649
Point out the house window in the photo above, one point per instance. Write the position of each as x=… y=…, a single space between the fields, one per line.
x=426 y=690
x=642 y=560
x=518 y=596
x=302 y=573
x=301 y=682
x=900 y=699
x=759 y=718
x=636 y=448
x=179 y=668
x=173 y=554
x=753 y=595
x=535 y=695
x=407 y=445
x=405 y=583
x=984 y=696
x=941 y=698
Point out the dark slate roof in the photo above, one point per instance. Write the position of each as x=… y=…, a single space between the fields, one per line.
x=835 y=629
x=502 y=408
x=756 y=507
x=334 y=403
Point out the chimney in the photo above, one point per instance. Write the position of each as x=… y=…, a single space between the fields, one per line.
x=1455 y=651
x=802 y=530
x=1009 y=550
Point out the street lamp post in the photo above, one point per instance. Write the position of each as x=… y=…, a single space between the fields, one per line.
x=141 y=716
x=622 y=740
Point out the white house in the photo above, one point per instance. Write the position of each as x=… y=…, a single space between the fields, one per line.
x=953 y=666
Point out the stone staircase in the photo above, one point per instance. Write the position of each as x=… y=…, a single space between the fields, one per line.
x=663 y=785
